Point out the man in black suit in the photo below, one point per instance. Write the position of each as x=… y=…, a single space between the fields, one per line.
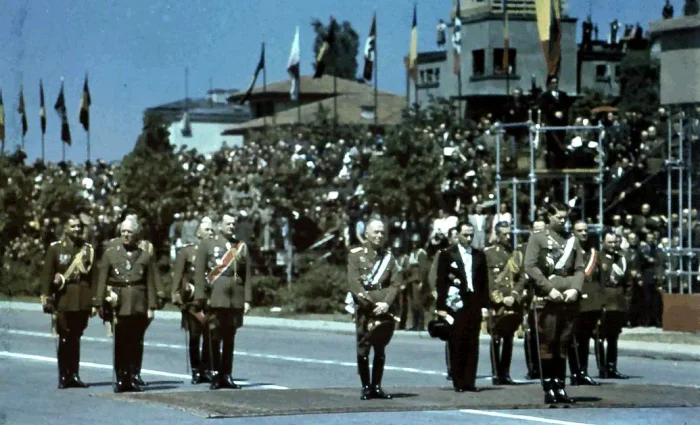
x=462 y=294
x=554 y=104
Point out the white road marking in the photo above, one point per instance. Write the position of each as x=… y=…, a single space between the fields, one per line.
x=34 y=357
x=239 y=353
x=521 y=417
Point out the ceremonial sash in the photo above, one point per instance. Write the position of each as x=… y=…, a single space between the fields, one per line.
x=76 y=264
x=377 y=271
x=591 y=263
x=227 y=261
x=568 y=248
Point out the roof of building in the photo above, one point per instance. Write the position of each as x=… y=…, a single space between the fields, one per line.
x=310 y=85
x=203 y=110
x=352 y=109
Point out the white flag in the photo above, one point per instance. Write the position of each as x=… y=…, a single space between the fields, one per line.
x=293 y=67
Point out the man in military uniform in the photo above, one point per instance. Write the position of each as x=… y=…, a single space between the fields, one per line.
x=615 y=293
x=374 y=281
x=504 y=311
x=556 y=266
x=193 y=318
x=146 y=246
x=126 y=282
x=589 y=312
x=66 y=293
x=222 y=285
x=415 y=273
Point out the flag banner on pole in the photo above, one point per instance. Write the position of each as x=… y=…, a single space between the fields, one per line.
x=2 y=119
x=548 y=26
x=293 y=67
x=22 y=112
x=326 y=50
x=506 y=40
x=42 y=107
x=412 y=62
x=260 y=67
x=85 y=103
x=60 y=108
x=370 y=50
x=457 y=40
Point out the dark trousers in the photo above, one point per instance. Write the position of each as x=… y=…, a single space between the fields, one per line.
x=198 y=342
x=223 y=324
x=70 y=327
x=556 y=156
x=652 y=303
x=532 y=354
x=128 y=343
x=611 y=325
x=584 y=329
x=502 y=333
x=464 y=345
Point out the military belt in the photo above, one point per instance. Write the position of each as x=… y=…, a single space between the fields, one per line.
x=126 y=284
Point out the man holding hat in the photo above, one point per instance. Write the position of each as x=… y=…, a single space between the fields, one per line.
x=193 y=317
x=374 y=281
x=555 y=265
x=129 y=272
x=222 y=284
x=66 y=292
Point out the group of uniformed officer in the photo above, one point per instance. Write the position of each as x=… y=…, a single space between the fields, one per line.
x=211 y=286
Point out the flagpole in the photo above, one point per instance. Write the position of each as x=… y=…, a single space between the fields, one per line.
x=88 y=146
x=43 y=149
x=63 y=147
x=376 y=73
x=264 y=70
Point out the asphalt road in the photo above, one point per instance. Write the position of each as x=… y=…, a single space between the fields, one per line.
x=277 y=359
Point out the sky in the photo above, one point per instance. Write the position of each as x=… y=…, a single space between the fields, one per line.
x=136 y=51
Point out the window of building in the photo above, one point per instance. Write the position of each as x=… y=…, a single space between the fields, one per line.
x=498 y=61
x=601 y=71
x=617 y=72
x=478 y=62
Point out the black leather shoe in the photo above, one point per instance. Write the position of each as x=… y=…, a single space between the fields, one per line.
x=63 y=382
x=613 y=373
x=582 y=379
x=535 y=374
x=550 y=397
x=76 y=382
x=560 y=392
x=495 y=381
x=134 y=385
x=470 y=389
x=366 y=393
x=506 y=380
x=214 y=384
x=137 y=379
x=378 y=393
x=121 y=385
x=196 y=377
x=205 y=376
x=227 y=382
x=459 y=390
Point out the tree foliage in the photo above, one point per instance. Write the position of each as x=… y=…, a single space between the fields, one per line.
x=408 y=174
x=639 y=83
x=691 y=7
x=342 y=61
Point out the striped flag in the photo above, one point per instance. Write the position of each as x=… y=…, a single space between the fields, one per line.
x=370 y=50
x=85 y=103
x=42 y=107
x=548 y=26
x=22 y=112
x=457 y=40
x=260 y=67
x=60 y=108
x=412 y=61
x=293 y=67
x=506 y=40
x=2 y=121
x=326 y=50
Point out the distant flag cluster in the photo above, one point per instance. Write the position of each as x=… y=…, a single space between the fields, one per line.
x=326 y=50
x=258 y=69
x=457 y=40
x=22 y=112
x=293 y=67
x=412 y=62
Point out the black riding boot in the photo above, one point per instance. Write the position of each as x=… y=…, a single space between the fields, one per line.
x=495 y=360
x=363 y=371
x=62 y=353
x=506 y=359
x=611 y=366
x=76 y=382
x=377 y=373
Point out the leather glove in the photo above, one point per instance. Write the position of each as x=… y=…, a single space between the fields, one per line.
x=47 y=305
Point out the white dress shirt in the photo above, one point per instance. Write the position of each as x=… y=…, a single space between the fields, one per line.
x=466 y=254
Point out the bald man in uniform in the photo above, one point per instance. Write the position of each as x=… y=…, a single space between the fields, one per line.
x=374 y=281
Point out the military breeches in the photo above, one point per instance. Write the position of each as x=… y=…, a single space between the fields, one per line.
x=198 y=343
x=71 y=324
x=128 y=341
x=611 y=323
x=223 y=323
x=555 y=327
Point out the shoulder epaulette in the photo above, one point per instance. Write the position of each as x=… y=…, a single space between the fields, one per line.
x=55 y=243
x=356 y=249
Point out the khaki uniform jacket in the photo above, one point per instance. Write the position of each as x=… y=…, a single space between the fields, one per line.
x=148 y=247
x=545 y=252
x=591 y=282
x=77 y=292
x=416 y=266
x=131 y=276
x=233 y=288
x=614 y=282
x=361 y=261
x=502 y=282
x=183 y=274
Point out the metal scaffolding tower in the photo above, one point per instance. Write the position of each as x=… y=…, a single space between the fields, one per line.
x=679 y=159
x=534 y=175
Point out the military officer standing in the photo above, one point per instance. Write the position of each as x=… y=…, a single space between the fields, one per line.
x=556 y=266
x=615 y=294
x=589 y=311
x=374 y=281
x=415 y=274
x=193 y=317
x=222 y=285
x=126 y=281
x=66 y=293
x=505 y=312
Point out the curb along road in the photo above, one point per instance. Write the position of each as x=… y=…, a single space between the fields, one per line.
x=653 y=350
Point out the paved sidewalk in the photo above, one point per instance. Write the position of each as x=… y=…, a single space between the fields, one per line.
x=654 y=350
